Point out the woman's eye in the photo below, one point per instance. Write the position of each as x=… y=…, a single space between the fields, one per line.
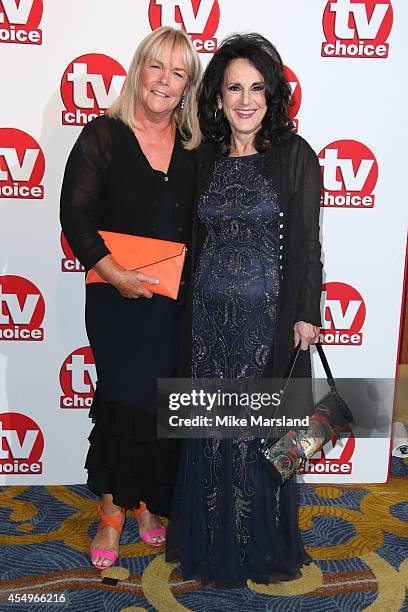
x=154 y=66
x=258 y=88
x=178 y=74
x=233 y=88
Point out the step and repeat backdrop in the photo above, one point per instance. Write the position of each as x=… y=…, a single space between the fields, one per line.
x=62 y=64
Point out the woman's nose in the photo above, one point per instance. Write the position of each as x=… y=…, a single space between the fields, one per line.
x=164 y=77
x=245 y=96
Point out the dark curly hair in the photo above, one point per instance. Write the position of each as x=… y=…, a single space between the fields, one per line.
x=276 y=124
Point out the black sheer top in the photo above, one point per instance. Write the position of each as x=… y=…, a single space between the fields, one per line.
x=109 y=185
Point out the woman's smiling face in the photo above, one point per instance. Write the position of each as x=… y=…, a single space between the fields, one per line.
x=162 y=82
x=243 y=97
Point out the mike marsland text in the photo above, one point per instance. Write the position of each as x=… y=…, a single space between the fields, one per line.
x=234 y=421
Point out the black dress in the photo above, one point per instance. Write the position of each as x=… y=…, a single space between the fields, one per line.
x=134 y=341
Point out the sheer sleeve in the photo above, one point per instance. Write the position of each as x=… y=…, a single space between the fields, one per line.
x=81 y=188
x=309 y=190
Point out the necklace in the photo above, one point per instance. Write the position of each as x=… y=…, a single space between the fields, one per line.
x=154 y=148
x=161 y=145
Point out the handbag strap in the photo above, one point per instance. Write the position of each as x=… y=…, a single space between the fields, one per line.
x=323 y=359
x=291 y=367
x=325 y=363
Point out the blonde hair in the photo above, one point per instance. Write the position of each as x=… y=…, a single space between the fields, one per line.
x=152 y=47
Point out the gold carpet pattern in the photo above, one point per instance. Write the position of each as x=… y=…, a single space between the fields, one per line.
x=356 y=534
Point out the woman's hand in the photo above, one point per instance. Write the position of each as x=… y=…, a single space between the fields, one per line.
x=306 y=334
x=130 y=284
x=127 y=282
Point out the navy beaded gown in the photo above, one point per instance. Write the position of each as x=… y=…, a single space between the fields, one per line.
x=229 y=521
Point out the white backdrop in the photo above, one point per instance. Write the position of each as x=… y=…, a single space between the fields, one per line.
x=61 y=64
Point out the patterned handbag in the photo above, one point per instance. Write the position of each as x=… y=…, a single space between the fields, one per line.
x=283 y=457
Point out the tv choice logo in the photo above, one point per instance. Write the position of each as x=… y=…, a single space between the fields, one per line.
x=22 y=165
x=22 y=309
x=19 y=21
x=349 y=175
x=21 y=444
x=89 y=85
x=343 y=316
x=296 y=97
x=357 y=28
x=199 y=18
x=69 y=263
x=335 y=457
x=78 y=379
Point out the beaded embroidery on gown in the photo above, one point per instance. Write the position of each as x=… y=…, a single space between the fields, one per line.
x=229 y=521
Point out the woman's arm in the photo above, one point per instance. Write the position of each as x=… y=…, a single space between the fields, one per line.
x=308 y=318
x=81 y=188
x=127 y=282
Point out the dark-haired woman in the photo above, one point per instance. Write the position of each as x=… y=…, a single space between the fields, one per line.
x=256 y=294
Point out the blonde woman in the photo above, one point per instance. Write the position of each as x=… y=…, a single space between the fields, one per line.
x=132 y=172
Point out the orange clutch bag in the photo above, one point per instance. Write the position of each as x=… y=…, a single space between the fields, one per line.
x=159 y=258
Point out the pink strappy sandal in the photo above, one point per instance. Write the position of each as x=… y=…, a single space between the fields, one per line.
x=153 y=533
x=117 y=523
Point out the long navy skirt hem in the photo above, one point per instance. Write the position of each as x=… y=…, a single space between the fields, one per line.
x=227 y=534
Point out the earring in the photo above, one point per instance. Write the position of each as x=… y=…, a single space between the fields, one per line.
x=219 y=107
x=216 y=112
x=183 y=98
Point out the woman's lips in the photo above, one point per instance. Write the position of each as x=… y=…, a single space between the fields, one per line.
x=245 y=114
x=160 y=94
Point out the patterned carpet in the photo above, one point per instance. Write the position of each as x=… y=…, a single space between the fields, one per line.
x=357 y=534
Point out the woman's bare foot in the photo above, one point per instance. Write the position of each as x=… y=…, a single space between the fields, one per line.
x=148 y=522
x=107 y=538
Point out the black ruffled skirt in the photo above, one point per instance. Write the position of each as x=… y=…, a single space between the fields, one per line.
x=134 y=342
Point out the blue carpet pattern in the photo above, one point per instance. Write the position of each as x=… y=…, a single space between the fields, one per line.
x=356 y=534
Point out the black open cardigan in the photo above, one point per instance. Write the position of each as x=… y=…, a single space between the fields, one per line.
x=294 y=168
x=109 y=185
